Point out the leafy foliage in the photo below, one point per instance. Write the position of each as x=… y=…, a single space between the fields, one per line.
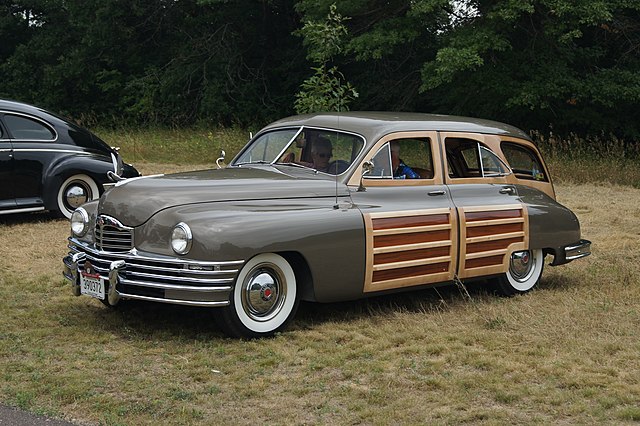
x=325 y=90
x=556 y=66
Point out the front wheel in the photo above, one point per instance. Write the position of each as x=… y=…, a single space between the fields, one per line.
x=75 y=191
x=525 y=270
x=264 y=300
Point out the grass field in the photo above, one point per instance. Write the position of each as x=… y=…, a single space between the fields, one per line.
x=567 y=352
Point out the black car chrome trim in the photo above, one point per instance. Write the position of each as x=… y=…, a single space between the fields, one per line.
x=22 y=210
x=65 y=151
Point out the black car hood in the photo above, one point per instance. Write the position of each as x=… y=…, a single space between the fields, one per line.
x=134 y=201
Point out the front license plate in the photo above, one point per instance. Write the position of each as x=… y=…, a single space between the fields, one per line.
x=92 y=285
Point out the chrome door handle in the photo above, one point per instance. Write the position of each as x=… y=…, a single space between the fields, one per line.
x=507 y=190
x=439 y=192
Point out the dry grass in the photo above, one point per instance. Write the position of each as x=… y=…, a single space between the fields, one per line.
x=565 y=353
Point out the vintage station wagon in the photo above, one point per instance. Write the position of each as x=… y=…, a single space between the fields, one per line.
x=324 y=208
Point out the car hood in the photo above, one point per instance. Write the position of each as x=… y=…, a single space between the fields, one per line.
x=135 y=200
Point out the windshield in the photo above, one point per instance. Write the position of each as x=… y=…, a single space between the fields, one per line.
x=324 y=150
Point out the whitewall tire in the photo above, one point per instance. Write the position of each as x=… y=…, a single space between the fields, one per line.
x=264 y=300
x=75 y=191
x=525 y=270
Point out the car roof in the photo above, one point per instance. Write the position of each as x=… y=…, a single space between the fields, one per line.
x=21 y=107
x=375 y=124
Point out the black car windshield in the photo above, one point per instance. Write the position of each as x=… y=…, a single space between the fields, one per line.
x=324 y=150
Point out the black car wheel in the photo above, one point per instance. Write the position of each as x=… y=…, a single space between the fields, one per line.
x=75 y=191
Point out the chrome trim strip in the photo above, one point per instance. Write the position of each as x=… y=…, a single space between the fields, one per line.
x=24 y=210
x=65 y=151
x=217 y=289
x=173 y=301
x=165 y=277
x=134 y=257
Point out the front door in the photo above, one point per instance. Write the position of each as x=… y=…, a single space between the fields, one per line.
x=410 y=221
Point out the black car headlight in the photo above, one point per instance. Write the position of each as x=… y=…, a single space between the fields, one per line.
x=181 y=238
x=79 y=222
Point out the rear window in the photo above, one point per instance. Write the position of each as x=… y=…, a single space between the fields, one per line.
x=524 y=162
x=28 y=129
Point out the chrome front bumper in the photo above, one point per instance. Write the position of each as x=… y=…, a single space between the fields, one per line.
x=153 y=278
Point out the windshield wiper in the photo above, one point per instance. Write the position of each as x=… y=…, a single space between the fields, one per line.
x=293 y=165
x=252 y=162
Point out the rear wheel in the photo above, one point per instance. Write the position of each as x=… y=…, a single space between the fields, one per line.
x=264 y=300
x=75 y=191
x=525 y=270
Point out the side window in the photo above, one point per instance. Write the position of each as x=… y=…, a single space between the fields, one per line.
x=492 y=165
x=27 y=128
x=524 y=162
x=408 y=158
x=468 y=158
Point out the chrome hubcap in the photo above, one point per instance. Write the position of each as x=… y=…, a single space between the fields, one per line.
x=263 y=293
x=521 y=265
x=76 y=195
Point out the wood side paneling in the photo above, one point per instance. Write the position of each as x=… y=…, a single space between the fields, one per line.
x=408 y=248
x=488 y=236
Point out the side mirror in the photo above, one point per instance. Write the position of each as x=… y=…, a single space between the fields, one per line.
x=367 y=167
x=221 y=158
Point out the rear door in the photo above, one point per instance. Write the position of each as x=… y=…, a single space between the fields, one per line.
x=410 y=221
x=493 y=222
x=7 y=197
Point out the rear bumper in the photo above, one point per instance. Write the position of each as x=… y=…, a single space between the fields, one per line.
x=572 y=252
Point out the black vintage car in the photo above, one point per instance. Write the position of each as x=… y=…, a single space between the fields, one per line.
x=50 y=163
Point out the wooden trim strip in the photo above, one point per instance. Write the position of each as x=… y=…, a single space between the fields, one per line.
x=401 y=213
x=426 y=228
x=407 y=263
x=495 y=222
x=412 y=271
x=493 y=237
x=475 y=209
x=411 y=281
x=416 y=246
x=489 y=253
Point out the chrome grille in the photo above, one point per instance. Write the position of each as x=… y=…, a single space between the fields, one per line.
x=112 y=236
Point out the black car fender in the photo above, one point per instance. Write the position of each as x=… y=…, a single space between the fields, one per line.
x=93 y=165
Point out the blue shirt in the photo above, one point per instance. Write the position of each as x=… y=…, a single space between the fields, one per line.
x=405 y=172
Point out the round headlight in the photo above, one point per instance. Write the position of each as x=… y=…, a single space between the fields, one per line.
x=79 y=222
x=181 y=238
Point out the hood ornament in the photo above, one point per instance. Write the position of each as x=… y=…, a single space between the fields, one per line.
x=221 y=158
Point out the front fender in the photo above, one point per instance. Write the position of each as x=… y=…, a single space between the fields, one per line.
x=331 y=241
